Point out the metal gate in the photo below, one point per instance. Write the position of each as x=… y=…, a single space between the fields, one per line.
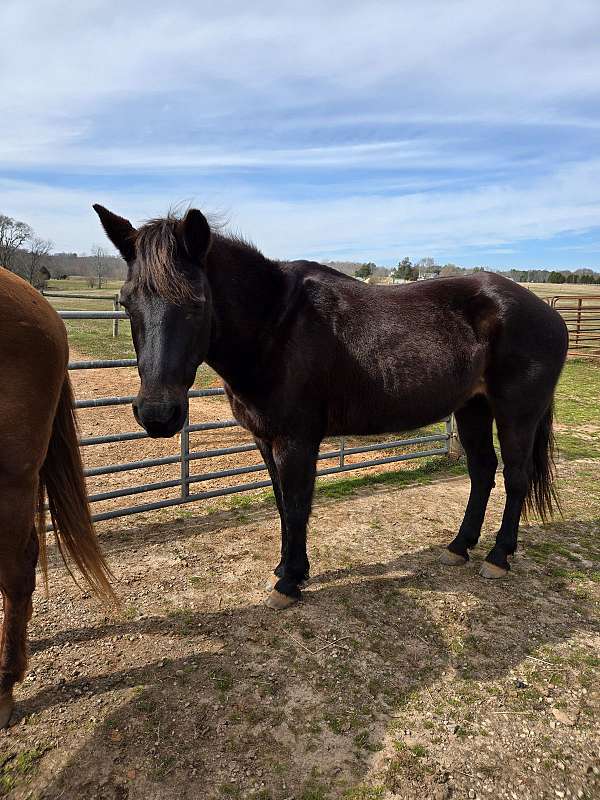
x=435 y=444
x=582 y=316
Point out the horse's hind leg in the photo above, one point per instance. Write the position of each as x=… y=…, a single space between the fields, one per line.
x=516 y=436
x=474 y=423
x=18 y=559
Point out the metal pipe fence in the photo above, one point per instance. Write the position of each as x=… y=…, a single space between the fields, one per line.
x=434 y=444
x=114 y=299
x=581 y=314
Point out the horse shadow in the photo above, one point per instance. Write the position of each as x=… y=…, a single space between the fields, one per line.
x=262 y=701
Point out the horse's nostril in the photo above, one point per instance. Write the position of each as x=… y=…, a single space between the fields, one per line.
x=174 y=415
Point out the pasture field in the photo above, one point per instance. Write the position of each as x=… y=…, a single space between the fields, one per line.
x=395 y=678
x=76 y=283
x=553 y=289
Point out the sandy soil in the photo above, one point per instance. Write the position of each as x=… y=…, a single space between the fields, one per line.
x=395 y=678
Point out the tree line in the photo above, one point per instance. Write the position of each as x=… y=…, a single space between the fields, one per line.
x=23 y=252
x=406 y=270
x=31 y=257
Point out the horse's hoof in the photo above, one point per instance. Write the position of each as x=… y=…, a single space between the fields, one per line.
x=6 y=708
x=450 y=559
x=272 y=583
x=492 y=571
x=278 y=601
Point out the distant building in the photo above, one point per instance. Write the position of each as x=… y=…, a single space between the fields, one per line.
x=427 y=272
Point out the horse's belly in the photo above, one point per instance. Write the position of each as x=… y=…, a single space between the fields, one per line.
x=374 y=412
x=384 y=420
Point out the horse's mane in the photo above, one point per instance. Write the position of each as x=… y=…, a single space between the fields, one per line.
x=156 y=246
x=156 y=253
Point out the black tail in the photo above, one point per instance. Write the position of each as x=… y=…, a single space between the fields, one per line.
x=542 y=495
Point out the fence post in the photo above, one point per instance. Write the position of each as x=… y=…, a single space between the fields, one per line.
x=185 y=460
x=578 y=320
x=342 y=450
x=117 y=307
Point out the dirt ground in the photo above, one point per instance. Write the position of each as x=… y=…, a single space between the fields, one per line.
x=395 y=678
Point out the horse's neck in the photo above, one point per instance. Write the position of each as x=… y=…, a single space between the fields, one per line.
x=248 y=292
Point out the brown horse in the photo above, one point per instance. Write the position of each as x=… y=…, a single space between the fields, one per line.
x=39 y=454
x=306 y=352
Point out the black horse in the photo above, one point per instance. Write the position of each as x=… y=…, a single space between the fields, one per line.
x=306 y=352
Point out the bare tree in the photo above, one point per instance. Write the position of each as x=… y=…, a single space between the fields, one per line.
x=101 y=265
x=450 y=271
x=39 y=251
x=13 y=234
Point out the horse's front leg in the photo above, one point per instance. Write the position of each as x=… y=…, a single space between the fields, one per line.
x=296 y=464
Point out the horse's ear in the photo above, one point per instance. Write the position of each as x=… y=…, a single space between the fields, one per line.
x=119 y=230
x=195 y=234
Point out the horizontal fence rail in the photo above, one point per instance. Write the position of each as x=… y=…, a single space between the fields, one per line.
x=581 y=314
x=434 y=444
x=117 y=315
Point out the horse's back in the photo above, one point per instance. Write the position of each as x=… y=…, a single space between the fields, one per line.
x=397 y=357
x=382 y=358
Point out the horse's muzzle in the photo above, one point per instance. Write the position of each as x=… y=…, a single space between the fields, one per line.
x=160 y=419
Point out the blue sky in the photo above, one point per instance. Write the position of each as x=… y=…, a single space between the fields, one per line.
x=467 y=131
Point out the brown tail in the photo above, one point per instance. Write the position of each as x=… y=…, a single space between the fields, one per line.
x=542 y=496
x=61 y=477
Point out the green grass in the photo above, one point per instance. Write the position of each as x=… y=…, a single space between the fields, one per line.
x=578 y=406
x=14 y=768
x=578 y=393
x=222 y=680
x=576 y=575
x=93 y=339
x=77 y=283
x=314 y=791
x=426 y=472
